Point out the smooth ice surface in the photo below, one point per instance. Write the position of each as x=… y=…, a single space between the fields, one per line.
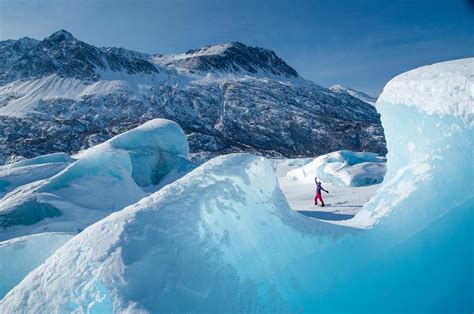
x=44 y=159
x=84 y=192
x=342 y=168
x=197 y=244
x=223 y=238
x=19 y=256
x=29 y=170
x=58 y=193
x=155 y=148
x=12 y=178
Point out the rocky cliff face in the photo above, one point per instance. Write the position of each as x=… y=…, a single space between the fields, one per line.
x=228 y=58
x=61 y=94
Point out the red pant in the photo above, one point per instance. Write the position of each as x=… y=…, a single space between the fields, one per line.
x=318 y=197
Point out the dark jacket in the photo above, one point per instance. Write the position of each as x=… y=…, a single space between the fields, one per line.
x=319 y=188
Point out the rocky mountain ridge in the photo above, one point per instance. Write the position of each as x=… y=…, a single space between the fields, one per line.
x=61 y=94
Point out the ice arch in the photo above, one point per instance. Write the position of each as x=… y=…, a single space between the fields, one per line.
x=223 y=239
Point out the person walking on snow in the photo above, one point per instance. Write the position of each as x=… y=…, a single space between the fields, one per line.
x=319 y=187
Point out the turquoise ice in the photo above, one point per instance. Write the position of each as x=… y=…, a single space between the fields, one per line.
x=223 y=238
x=58 y=193
x=343 y=168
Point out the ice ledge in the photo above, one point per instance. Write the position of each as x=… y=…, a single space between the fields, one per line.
x=445 y=88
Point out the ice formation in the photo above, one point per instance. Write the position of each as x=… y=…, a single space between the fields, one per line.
x=431 y=88
x=55 y=194
x=155 y=148
x=40 y=160
x=21 y=255
x=30 y=170
x=343 y=168
x=223 y=239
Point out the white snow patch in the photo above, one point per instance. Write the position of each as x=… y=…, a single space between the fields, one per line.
x=443 y=88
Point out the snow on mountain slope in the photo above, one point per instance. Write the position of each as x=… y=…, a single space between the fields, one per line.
x=223 y=238
x=64 y=55
x=65 y=95
x=340 y=89
x=103 y=179
x=228 y=58
x=12 y=50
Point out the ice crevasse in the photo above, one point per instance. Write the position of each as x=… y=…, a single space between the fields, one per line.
x=223 y=239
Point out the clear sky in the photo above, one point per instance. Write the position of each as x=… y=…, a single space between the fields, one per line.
x=358 y=43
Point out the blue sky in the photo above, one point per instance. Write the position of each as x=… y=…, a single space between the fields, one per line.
x=358 y=43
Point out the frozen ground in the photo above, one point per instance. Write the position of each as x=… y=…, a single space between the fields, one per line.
x=342 y=203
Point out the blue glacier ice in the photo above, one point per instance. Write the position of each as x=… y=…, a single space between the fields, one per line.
x=343 y=168
x=223 y=239
x=59 y=193
x=21 y=255
x=30 y=170
x=12 y=178
x=155 y=148
x=44 y=159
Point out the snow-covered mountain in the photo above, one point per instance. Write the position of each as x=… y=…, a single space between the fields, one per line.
x=232 y=57
x=61 y=94
x=64 y=55
x=341 y=89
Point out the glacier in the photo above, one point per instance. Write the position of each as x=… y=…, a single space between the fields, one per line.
x=223 y=238
x=343 y=168
x=21 y=255
x=154 y=148
x=61 y=193
x=30 y=170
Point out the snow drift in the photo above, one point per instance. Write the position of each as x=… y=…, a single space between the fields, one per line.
x=103 y=179
x=21 y=255
x=343 y=168
x=223 y=239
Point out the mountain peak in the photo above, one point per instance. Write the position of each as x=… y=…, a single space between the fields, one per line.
x=339 y=89
x=61 y=35
x=232 y=57
x=216 y=49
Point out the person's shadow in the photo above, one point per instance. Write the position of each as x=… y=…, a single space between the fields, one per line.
x=325 y=215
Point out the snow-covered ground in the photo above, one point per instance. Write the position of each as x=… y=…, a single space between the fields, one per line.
x=342 y=202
